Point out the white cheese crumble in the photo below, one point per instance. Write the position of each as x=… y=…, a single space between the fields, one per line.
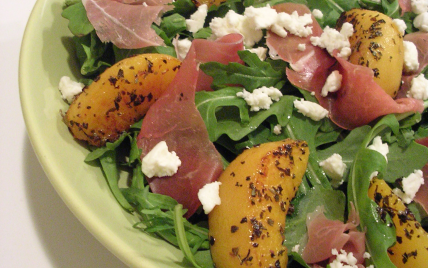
x=182 y=46
x=260 y=98
x=209 y=196
x=380 y=147
x=301 y=47
x=295 y=24
x=332 y=84
x=373 y=175
x=421 y=22
x=310 y=109
x=367 y=255
x=295 y=248
x=411 y=62
x=160 y=162
x=418 y=88
x=277 y=129
x=260 y=52
x=235 y=23
x=333 y=40
x=401 y=25
x=197 y=19
x=254 y=20
x=411 y=185
x=419 y=6
x=317 y=14
x=69 y=88
x=334 y=167
x=343 y=259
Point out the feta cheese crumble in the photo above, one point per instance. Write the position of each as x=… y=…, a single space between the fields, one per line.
x=310 y=109
x=301 y=47
x=334 y=167
x=343 y=259
x=419 y=6
x=411 y=185
x=277 y=129
x=209 y=196
x=418 y=88
x=317 y=14
x=260 y=52
x=295 y=24
x=260 y=98
x=411 y=62
x=197 y=19
x=182 y=46
x=333 y=40
x=332 y=84
x=254 y=20
x=421 y=22
x=160 y=162
x=401 y=25
x=69 y=88
x=377 y=145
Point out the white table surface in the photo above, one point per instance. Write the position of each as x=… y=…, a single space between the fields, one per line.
x=36 y=227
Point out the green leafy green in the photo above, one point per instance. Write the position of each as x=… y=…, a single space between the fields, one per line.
x=92 y=54
x=251 y=76
x=78 y=24
x=225 y=113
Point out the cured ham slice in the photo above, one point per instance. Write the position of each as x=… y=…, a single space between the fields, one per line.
x=405 y=5
x=358 y=103
x=325 y=235
x=126 y=26
x=224 y=51
x=174 y=118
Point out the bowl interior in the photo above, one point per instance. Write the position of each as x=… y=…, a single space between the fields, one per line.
x=46 y=56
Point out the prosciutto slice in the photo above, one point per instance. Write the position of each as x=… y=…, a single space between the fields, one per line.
x=405 y=5
x=174 y=118
x=325 y=235
x=126 y=26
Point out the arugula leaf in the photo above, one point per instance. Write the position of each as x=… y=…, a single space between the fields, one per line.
x=78 y=22
x=225 y=113
x=173 y=24
x=255 y=75
x=92 y=54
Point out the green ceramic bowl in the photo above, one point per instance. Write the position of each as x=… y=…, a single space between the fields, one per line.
x=46 y=56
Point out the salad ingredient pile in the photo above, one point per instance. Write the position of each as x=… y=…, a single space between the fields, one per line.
x=256 y=190
x=281 y=125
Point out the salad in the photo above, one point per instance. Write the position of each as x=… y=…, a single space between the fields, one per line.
x=220 y=78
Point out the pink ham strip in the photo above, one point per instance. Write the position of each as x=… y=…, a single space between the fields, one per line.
x=126 y=26
x=325 y=235
x=358 y=103
x=224 y=51
x=405 y=6
x=174 y=118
